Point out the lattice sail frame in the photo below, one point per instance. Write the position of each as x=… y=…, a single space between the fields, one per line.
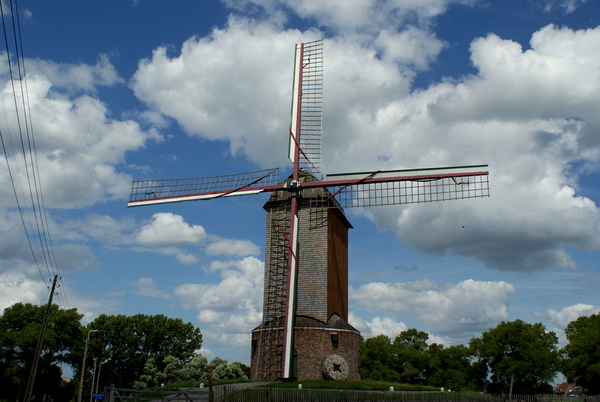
x=416 y=186
x=396 y=187
x=148 y=192
x=306 y=125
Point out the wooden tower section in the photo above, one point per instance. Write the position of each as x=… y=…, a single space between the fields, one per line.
x=321 y=328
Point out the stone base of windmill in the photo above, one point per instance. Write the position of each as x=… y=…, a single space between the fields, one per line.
x=323 y=350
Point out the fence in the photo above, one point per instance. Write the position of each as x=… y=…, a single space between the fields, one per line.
x=317 y=395
x=189 y=395
x=233 y=393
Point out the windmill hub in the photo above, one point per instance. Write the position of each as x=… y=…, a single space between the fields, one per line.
x=293 y=186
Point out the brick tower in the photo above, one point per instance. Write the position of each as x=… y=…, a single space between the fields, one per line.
x=326 y=346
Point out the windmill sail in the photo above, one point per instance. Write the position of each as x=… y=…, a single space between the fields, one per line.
x=291 y=289
x=305 y=153
x=307 y=107
x=409 y=186
x=149 y=192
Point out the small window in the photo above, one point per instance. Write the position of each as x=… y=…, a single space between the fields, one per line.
x=334 y=340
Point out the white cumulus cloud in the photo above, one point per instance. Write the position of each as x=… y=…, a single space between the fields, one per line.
x=148 y=287
x=233 y=247
x=240 y=288
x=570 y=313
x=78 y=146
x=467 y=307
x=170 y=229
x=230 y=308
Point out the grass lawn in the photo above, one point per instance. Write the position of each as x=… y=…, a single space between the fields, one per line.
x=364 y=385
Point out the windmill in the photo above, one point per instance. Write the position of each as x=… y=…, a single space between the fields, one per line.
x=302 y=203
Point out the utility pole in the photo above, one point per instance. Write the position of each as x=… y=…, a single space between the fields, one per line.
x=38 y=349
x=83 y=364
x=93 y=381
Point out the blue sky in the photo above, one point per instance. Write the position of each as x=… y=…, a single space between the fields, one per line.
x=131 y=90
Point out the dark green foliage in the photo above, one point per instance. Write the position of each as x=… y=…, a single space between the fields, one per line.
x=376 y=359
x=410 y=360
x=581 y=363
x=196 y=370
x=124 y=344
x=411 y=356
x=245 y=369
x=519 y=352
x=20 y=327
x=452 y=368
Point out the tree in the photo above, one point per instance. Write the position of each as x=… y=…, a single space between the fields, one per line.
x=194 y=369
x=581 y=362
x=20 y=327
x=411 y=357
x=127 y=342
x=452 y=368
x=197 y=369
x=219 y=369
x=376 y=358
x=519 y=354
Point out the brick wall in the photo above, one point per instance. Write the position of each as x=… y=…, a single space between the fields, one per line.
x=312 y=345
x=265 y=359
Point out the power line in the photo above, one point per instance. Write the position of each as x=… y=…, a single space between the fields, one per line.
x=29 y=200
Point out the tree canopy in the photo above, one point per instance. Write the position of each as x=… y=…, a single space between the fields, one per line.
x=124 y=344
x=452 y=368
x=518 y=353
x=376 y=358
x=410 y=359
x=581 y=363
x=20 y=327
x=411 y=356
x=196 y=370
